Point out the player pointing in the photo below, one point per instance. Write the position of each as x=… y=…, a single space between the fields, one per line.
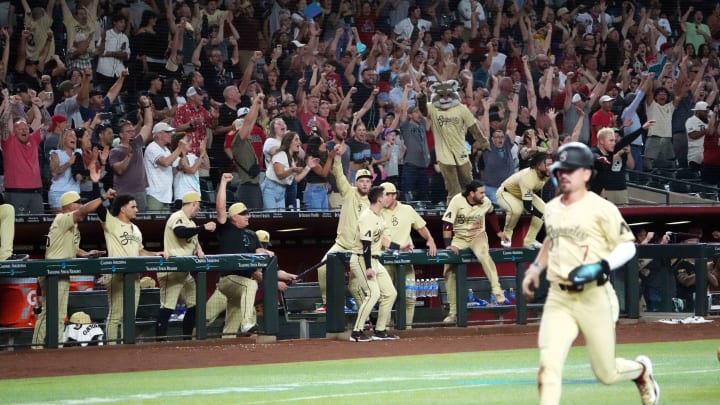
x=586 y=239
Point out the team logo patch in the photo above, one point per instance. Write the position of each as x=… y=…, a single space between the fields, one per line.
x=563 y=156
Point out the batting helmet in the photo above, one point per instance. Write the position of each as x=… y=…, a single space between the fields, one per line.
x=573 y=155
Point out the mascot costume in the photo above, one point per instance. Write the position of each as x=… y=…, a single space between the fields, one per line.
x=451 y=120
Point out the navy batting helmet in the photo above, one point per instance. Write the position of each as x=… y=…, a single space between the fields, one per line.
x=573 y=155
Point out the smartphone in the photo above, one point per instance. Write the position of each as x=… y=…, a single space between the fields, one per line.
x=48 y=95
x=104 y=115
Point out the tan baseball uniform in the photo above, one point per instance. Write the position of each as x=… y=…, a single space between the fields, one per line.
x=122 y=240
x=450 y=127
x=469 y=233
x=353 y=204
x=7 y=230
x=511 y=196
x=581 y=233
x=398 y=224
x=63 y=242
x=177 y=284
x=369 y=290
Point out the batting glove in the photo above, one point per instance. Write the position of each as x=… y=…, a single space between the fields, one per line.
x=590 y=272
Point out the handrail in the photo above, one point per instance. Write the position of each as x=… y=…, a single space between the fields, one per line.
x=52 y=269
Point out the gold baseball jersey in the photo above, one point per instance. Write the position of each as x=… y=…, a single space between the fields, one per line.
x=122 y=239
x=370 y=226
x=524 y=183
x=468 y=220
x=450 y=127
x=583 y=232
x=353 y=204
x=175 y=246
x=399 y=221
x=63 y=240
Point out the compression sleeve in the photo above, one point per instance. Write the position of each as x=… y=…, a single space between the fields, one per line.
x=620 y=255
x=367 y=256
x=186 y=232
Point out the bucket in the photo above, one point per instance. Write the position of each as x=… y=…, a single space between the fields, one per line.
x=82 y=283
x=18 y=297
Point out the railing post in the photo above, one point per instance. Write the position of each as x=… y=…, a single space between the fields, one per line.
x=520 y=300
x=335 y=315
x=271 y=322
x=701 y=304
x=128 y=321
x=632 y=288
x=200 y=305
x=461 y=294
x=51 y=311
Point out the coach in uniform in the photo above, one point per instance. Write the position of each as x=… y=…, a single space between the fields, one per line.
x=399 y=220
x=181 y=239
x=123 y=239
x=63 y=242
x=238 y=287
x=464 y=228
x=517 y=194
x=354 y=201
x=369 y=281
x=586 y=239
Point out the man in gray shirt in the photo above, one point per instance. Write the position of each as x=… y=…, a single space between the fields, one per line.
x=417 y=156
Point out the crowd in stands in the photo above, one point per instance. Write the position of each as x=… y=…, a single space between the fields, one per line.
x=155 y=97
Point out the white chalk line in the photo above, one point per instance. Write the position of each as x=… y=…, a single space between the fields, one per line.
x=287 y=387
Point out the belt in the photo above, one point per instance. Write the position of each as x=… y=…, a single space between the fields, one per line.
x=24 y=190
x=373 y=256
x=635 y=146
x=571 y=287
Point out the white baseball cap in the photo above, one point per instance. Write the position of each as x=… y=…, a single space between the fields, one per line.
x=162 y=127
x=700 y=106
x=606 y=98
x=191 y=91
x=242 y=111
x=578 y=97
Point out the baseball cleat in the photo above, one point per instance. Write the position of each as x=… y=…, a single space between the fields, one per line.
x=534 y=245
x=450 y=319
x=248 y=329
x=505 y=244
x=357 y=336
x=500 y=299
x=384 y=335
x=648 y=387
x=18 y=257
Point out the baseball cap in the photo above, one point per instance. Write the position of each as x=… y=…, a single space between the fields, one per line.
x=389 y=187
x=147 y=282
x=69 y=197
x=21 y=88
x=297 y=43
x=67 y=85
x=263 y=237
x=162 y=127
x=191 y=196
x=191 y=91
x=94 y=93
x=579 y=97
x=56 y=119
x=700 y=106
x=363 y=173
x=80 y=318
x=237 y=208
x=606 y=98
x=288 y=102
x=242 y=111
x=562 y=11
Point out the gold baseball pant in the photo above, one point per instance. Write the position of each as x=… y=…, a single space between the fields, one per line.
x=514 y=208
x=409 y=301
x=594 y=312
x=115 y=305
x=215 y=305
x=368 y=291
x=240 y=293
x=175 y=285
x=322 y=271
x=7 y=230
x=480 y=249
x=63 y=283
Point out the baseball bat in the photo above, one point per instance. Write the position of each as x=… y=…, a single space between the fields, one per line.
x=305 y=272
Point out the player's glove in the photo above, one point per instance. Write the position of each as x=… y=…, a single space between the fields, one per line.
x=590 y=272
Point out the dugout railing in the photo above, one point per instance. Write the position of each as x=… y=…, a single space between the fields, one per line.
x=337 y=262
x=52 y=269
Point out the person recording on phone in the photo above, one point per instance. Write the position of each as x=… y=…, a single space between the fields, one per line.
x=94 y=102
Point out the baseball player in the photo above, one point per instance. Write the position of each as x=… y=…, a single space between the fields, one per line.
x=63 y=242
x=354 y=201
x=123 y=239
x=586 y=239
x=217 y=302
x=7 y=233
x=464 y=228
x=399 y=220
x=517 y=194
x=181 y=239
x=369 y=281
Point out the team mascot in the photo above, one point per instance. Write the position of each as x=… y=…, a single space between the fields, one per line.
x=451 y=120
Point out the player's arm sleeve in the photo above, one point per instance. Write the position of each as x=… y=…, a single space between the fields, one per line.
x=187 y=232
x=620 y=255
x=101 y=212
x=367 y=253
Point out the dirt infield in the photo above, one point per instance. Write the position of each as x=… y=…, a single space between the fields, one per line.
x=246 y=351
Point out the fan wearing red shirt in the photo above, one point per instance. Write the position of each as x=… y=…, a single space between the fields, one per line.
x=603 y=118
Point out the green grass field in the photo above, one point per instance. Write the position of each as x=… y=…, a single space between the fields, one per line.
x=688 y=373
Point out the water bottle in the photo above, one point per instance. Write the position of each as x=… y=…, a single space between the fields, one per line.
x=510 y=295
x=420 y=288
x=493 y=301
x=426 y=287
x=410 y=288
x=434 y=288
